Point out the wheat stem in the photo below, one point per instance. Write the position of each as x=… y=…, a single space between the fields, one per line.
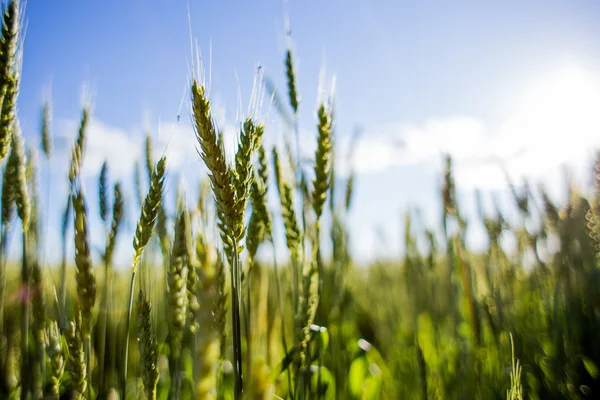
x=144 y=229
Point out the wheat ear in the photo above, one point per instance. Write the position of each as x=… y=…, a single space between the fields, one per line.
x=47 y=130
x=84 y=275
x=9 y=178
x=231 y=190
x=54 y=350
x=76 y=365
x=323 y=160
x=78 y=148
x=9 y=81
x=291 y=81
x=103 y=192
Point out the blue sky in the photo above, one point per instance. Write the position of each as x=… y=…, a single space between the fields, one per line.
x=511 y=80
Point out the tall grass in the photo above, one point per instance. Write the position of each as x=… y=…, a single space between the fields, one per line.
x=228 y=318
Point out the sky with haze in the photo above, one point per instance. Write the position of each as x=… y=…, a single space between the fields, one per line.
x=515 y=83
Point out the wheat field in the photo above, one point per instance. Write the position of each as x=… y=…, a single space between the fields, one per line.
x=214 y=320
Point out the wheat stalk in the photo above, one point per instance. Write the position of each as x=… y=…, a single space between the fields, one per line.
x=231 y=188
x=143 y=232
x=17 y=161
x=66 y=217
x=118 y=214
x=220 y=310
x=9 y=89
x=148 y=347
x=8 y=210
x=177 y=284
x=211 y=308
x=37 y=292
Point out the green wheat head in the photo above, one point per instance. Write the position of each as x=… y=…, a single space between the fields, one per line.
x=47 y=130
x=56 y=355
x=79 y=146
x=86 y=280
x=149 y=211
x=9 y=79
x=118 y=214
x=291 y=81
x=323 y=161
x=18 y=162
x=76 y=366
x=288 y=212
x=213 y=155
x=103 y=192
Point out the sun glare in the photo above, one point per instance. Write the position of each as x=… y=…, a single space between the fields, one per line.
x=556 y=121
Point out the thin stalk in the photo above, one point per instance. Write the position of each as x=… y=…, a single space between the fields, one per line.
x=220 y=395
x=47 y=223
x=3 y=247
x=236 y=295
x=88 y=359
x=110 y=358
x=296 y=284
x=303 y=202
x=248 y=319
x=25 y=373
x=103 y=328
x=248 y=331
x=131 y=289
x=177 y=376
x=63 y=271
x=320 y=364
x=281 y=310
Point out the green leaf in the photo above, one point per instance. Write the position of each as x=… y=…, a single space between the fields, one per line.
x=324 y=339
x=284 y=364
x=326 y=389
x=357 y=376
x=590 y=367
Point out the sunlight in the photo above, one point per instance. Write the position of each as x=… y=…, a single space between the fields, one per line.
x=556 y=120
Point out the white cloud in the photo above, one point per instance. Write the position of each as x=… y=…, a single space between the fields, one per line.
x=178 y=143
x=105 y=142
x=404 y=144
x=554 y=122
x=122 y=147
